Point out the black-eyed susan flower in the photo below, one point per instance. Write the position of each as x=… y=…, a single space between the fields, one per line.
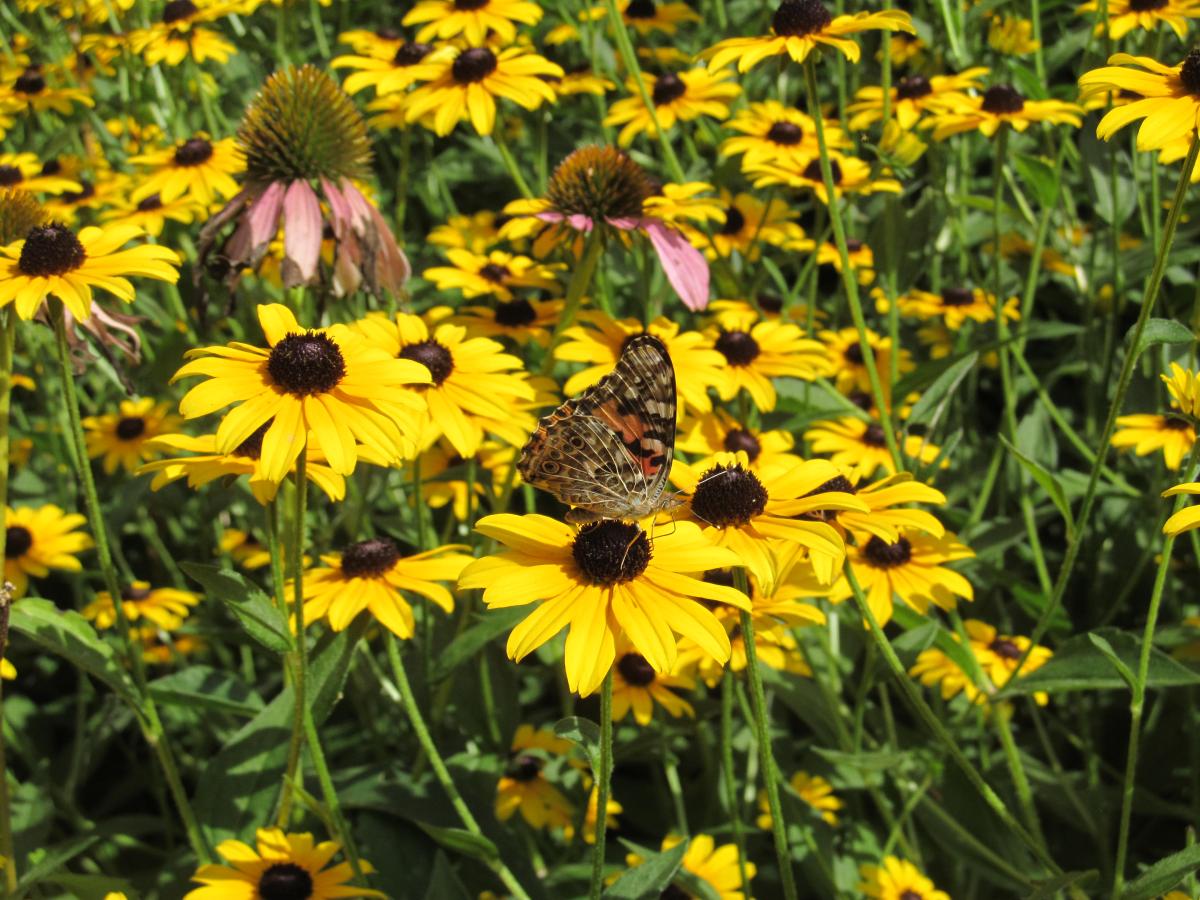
x=179 y=34
x=52 y=260
x=770 y=131
x=748 y=225
x=912 y=96
x=1126 y=15
x=605 y=580
x=1011 y=35
x=886 y=518
x=474 y=20
x=598 y=341
x=1000 y=104
x=282 y=865
x=20 y=213
x=206 y=464
x=523 y=320
x=691 y=202
x=1146 y=433
x=859 y=446
x=38 y=539
x=524 y=786
x=1168 y=97
x=649 y=16
x=463 y=83
x=1184 y=387
x=198 y=168
x=1188 y=517
x=389 y=70
x=302 y=133
x=244 y=548
x=375 y=575
x=814 y=790
x=851 y=175
x=601 y=187
x=164 y=607
x=477 y=232
x=637 y=687
x=860 y=256
x=151 y=214
x=495 y=274
x=120 y=438
x=996 y=655
x=330 y=386
x=719 y=432
x=896 y=879
x=473 y=384
x=160 y=649
x=954 y=306
x=590 y=815
x=774 y=647
x=578 y=78
x=677 y=97
x=847 y=361
x=911 y=568
x=24 y=171
x=718 y=867
x=38 y=89
x=797 y=28
x=755 y=516
x=757 y=350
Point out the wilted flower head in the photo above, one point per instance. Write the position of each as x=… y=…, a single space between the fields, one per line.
x=301 y=133
x=20 y=213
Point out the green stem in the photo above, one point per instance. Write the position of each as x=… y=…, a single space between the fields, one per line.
x=296 y=741
x=581 y=280
x=603 y=777
x=729 y=779
x=7 y=342
x=849 y=279
x=430 y=751
x=510 y=164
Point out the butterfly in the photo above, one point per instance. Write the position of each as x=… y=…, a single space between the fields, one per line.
x=608 y=451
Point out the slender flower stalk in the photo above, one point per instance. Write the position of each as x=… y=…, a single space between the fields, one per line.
x=729 y=779
x=291 y=769
x=8 y=335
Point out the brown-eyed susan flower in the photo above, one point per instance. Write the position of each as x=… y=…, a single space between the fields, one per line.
x=774 y=647
x=797 y=28
x=474 y=20
x=1168 y=97
x=38 y=539
x=524 y=786
x=282 y=865
x=1126 y=15
x=392 y=70
x=330 y=386
x=886 y=518
x=719 y=432
x=198 y=168
x=1011 y=35
x=851 y=175
x=1184 y=387
x=773 y=132
x=598 y=341
x=478 y=232
x=36 y=89
x=179 y=34
x=912 y=96
x=151 y=214
x=1001 y=104
x=164 y=607
x=495 y=273
x=523 y=320
x=954 y=306
x=748 y=225
x=637 y=687
x=375 y=575
x=690 y=202
x=206 y=464
x=463 y=83
x=598 y=187
x=52 y=260
x=814 y=790
x=160 y=648
x=24 y=171
x=244 y=548
x=301 y=133
x=605 y=580
x=677 y=97
x=847 y=361
x=996 y=655
x=756 y=517
x=1188 y=517
x=912 y=568
x=578 y=78
x=896 y=879
x=757 y=350
x=859 y=446
x=718 y=867
x=120 y=438
x=474 y=386
x=1146 y=433
x=649 y=16
x=590 y=815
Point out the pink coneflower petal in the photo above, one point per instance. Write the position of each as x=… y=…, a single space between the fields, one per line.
x=263 y=214
x=625 y=224
x=391 y=265
x=684 y=265
x=301 y=234
x=340 y=213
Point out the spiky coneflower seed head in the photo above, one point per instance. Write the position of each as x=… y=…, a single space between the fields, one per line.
x=301 y=125
x=600 y=183
x=20 y=213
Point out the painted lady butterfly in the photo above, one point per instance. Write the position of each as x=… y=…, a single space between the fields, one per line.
x=608 y=451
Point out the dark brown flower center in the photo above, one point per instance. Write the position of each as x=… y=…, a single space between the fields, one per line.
x=910 y=87
x=193 y=152
x=410 y=54
x=433 y=356
x=643 y=9
x=468 y=5
x=1001 y=99
x=738 y=347
x=1146 y=5
x=1189 y=72
x=883 y=555
x=525 y=768
x=786 y=133
x=813 y=171
x=770 y=303
x=740 y=439
x=10 y=175
x=861 y=399
x=728 y=495
x=495 y=273
x=796 y=18
x=370 y=558
x=51 y=167
x=515 y=313
x=177 y=10
x=838 y=483
x=874 y=436
x=674 y=892
x=133 y=592
x=635 y=670
x=17 y=541
x=252 y=446
x=154 y=201
x=734 y=221
x=668 y=87
x=719 y=576
x=473 y=65
x=910 y=894
x=285 y=881
x=308 y=363
x=51 y=250
x=30 y=81
x=130 y=427
x=1005 y=648
x=87 y=189
x=611 y=552
x=956 y=296
x=1176 y=423
x=853 y=354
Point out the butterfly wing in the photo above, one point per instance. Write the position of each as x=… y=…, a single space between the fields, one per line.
x=609 y=450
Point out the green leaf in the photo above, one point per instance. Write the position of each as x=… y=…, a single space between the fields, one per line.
x=68 y=634
x=1110 y=654
x=1051 y=887
x=206 y=688
x=461 y=841
x=1161 y=331
x=1049 y=483
x=583 y=732
x=260 y=618
x=468 y=644
x=53 y=859
x=444 y=883
x=1079 y=665
x=649 y=879
x=1039 y=175
x=1163 y=875
x=934 y=400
